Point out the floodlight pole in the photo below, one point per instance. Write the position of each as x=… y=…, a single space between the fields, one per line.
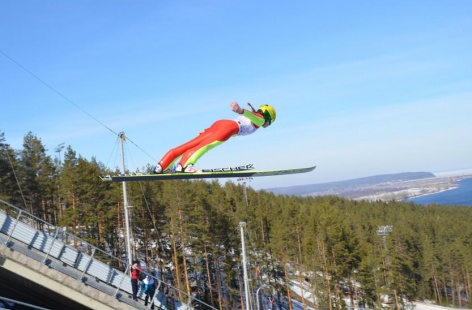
x=384 y=231
x=246 y=280
x=58 y=150
x=125 y=202
x=244 y=180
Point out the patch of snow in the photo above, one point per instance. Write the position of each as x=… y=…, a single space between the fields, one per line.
x=428 y=306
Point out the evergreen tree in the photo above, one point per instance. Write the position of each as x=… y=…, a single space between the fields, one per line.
x=37 y=171
x=190 y=230
x=9 y=190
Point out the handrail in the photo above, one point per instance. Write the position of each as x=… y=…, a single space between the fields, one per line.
x=23 y=303
x=91 y=256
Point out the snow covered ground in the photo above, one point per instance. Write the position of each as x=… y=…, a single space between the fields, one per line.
x=298 y=289
x=426 y=306
x=418 y=306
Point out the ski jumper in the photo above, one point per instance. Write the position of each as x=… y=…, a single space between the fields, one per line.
x=221 y=130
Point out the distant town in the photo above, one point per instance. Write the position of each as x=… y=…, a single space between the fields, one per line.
x=386 y=187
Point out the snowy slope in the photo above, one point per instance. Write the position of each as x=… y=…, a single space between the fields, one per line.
x=425 y=306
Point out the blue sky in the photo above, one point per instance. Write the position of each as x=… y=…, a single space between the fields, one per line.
x=360 y=87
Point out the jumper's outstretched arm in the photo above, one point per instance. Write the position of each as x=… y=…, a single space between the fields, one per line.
x=236 y=108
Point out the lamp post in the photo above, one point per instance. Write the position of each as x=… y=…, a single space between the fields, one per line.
x=242 y=225
x=244 y=180
x=125 y=203
x=58 y=150
x=384 y=231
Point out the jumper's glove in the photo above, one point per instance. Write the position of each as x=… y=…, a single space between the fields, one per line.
x=236 y=108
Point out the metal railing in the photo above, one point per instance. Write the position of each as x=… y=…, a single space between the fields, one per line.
x=53 y=243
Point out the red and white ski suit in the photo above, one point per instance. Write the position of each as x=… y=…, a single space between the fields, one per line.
x=246 y=123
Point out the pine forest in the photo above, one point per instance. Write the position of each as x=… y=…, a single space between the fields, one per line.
x=190 y=230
